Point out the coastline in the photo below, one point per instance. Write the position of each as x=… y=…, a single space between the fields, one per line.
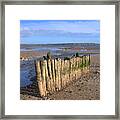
x=87 y=87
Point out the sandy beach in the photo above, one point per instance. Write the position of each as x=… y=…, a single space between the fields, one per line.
x=87 y=87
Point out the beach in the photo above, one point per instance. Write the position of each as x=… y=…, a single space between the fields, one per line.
x=87 y=87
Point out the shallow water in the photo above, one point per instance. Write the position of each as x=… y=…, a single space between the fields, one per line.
x=27 y=72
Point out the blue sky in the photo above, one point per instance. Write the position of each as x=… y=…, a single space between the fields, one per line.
x=59 y=31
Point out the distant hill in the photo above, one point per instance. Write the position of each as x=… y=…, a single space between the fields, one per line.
x=93 y=45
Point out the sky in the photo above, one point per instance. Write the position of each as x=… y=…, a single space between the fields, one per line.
x=59 y=31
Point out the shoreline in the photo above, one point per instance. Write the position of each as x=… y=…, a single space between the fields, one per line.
x=87 y=87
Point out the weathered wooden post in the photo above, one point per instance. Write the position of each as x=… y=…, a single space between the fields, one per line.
x=62 y=73
x=66 y=67
x=53 y=73
x=82 y=64
x=69 y=70
x=47 y=77
x=88 y=62
x=70 y=67
x=56 y=74
x=79 y=66
x=85 y=68
x=39 y=77
x=50 y=75
x=89 y=59
x=44 y=77
x=76 y=67
x=74 y=75
x=66 y=76
x=59 y=74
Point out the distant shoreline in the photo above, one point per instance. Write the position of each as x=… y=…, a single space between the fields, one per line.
x=59 y=44
x=39 y=50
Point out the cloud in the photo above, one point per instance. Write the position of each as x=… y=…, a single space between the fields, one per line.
x=60 y=28
x=75 y=26
x=54 y=33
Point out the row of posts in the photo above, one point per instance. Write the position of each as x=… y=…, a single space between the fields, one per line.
x=55 y=74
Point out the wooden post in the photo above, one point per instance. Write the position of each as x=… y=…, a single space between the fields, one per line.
x=70 y=69
x=89 y=62
x=59 y=74
x=85 y=63
x=47 y=78
x=62 y=73
x=89 y=59
x=44 y=77
x=74 y=69
x=63 y=78
x=53 y=73
x=65 y=71
x=82 y=63
x=39 y=78
x=78 y=63
x=50 y=75
x=79 y=66
x=67 y=67
x=56 y=75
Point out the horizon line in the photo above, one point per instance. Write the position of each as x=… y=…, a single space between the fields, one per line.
x=62 y=43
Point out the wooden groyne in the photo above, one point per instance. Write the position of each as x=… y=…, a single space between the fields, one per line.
x=54 y=74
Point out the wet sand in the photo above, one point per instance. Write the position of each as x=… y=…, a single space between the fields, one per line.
x=28 y=54
x=87 y=87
